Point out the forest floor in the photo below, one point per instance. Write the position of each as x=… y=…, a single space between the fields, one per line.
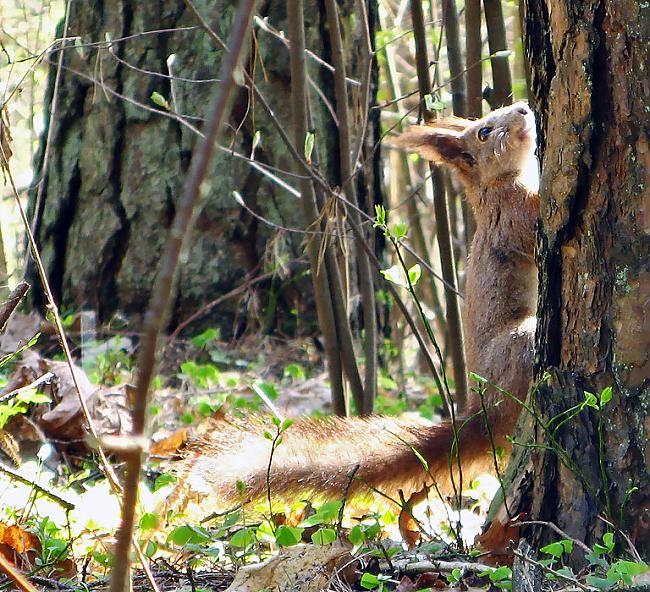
x=59 y=515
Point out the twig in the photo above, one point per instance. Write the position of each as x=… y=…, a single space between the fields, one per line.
x=447 y=566
x=628 y=540
x=557 y=529
x=8 y=307
x=19 y=579
x=344 y=498
x=266 y=27
x=11 y=394
x=210 y=305
x=156 y=314
x=53 y=496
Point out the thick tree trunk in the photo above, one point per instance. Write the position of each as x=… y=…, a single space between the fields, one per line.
x=588 y=65
x=117 y=168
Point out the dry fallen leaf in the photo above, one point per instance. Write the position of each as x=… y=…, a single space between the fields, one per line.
x=408 y=525
x=497 y=539
x=171 y=445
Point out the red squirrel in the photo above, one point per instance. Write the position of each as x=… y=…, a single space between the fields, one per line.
x=494 y=157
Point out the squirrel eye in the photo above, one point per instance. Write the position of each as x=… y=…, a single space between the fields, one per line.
x=483 y=133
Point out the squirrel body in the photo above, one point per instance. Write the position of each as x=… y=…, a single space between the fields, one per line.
x=494 y=158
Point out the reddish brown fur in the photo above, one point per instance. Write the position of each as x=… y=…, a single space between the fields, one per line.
x=317 y=455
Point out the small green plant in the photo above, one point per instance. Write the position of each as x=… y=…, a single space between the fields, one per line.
x=203 y=376
x=609 y=571
x=19 y=404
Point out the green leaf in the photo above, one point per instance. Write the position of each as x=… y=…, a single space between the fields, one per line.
x=356 y=536
x=242 y=538
x=414 y=274
x=286 y=536
x=159 y=100
x=558 y=548
x=148 y=521
x=591 y=400
x=399 y=230
x=268 y=389
x=162 y=481
x=504 y=53
x=500 y=573
x=477 y=378
x=608 y=539
x=202 y=339
x=373 y=530
x=369 y=581
x=183 y=535
x=295 y=371
x=565 y=571
x=431 y=104
x=629 y=568
x=310 y=139
x=33 y=396
x=325 y=514
x=606 y=395
x=323 y=536
x=568 y=545
x=380 y=215
x=150 y=549
x=104 y=559
x=600 y=583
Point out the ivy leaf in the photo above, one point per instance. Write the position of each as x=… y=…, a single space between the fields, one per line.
x=286 y=536
x=242 y=538
x=183 y=535
x=323 y=536
x=148 y=521
x=600 y=583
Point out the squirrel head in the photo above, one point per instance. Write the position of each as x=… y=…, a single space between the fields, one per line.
x=500 y=146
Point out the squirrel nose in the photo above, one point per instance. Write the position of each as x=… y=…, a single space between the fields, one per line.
x=522 y=108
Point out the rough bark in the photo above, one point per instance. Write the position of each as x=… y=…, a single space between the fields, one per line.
x=117 y=169
x=588 y=61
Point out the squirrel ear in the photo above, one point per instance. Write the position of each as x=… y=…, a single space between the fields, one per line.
x=439 y=145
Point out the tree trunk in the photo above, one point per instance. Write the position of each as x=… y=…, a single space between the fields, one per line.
x=588 y=65
x=117 y=168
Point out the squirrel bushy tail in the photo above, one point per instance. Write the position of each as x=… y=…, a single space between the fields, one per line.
x=324 y=458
